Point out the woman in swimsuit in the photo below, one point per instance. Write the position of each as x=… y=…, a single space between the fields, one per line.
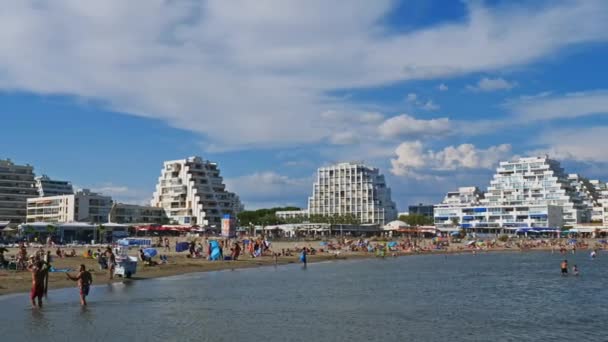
x=85 y=280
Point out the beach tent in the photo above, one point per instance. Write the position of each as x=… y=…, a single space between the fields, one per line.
x=150 y=252
x=182 y=246
x=396 y=225
x=215 y=250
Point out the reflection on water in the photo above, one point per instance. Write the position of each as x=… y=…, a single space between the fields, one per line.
x=508 y=296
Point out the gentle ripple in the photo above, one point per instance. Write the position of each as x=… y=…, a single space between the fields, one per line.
x=488 y=297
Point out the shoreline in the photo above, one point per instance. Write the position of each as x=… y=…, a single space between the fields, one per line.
x=20 y=282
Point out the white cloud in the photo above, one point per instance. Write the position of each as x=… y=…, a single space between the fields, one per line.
x=270 y=187
x=549 y=107
x=492 y=84
x=586 y=144
x=414 y=161
x=442 y=87
x=430 y=105
x=344 y=138
x=411 y=97
x=405 y=125
x=257 y=73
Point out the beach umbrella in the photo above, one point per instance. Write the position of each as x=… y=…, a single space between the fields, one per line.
x=470 y=243
x=150 y=252
x=392 y=244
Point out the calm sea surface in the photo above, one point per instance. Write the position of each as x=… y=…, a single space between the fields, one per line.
x=488 y=297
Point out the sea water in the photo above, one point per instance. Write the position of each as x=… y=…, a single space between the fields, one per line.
x=485 y=297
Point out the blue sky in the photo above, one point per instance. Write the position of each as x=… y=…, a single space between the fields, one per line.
x=434 y=93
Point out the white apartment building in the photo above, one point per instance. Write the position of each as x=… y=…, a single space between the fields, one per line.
x=528 y=192
x=352 y=189
x=465 y=196
x=50 y=187
x=82 y=206
x=191 y=191
x=584 y=195
x=600 y=208
x=16 y=186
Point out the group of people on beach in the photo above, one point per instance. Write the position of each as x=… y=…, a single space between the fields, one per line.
x=40 y=265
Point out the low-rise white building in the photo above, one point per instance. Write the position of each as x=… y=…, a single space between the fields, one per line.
x=291 y=214
x=82 y=206
x=132 y=213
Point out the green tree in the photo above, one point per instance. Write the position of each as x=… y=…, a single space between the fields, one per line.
x=51 y=230
x=416 y=220
x=29 y=231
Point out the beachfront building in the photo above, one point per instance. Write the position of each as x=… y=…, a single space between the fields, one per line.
x=352 y=189
x=82 y=206
x=527 y=192
x=291 y=214
x=50 y=187
x=16 y=186
x=132 y=213
x=192 y=192
x=464 y=196
x=425 y=210
x=585 y=195
x=599 y=213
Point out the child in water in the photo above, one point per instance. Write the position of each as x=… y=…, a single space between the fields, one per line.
x=575 y=270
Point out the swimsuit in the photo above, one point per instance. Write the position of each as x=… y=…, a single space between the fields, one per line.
x=37 y=291
x=84 y=289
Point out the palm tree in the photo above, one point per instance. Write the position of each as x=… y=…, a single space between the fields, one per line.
x=102 y=233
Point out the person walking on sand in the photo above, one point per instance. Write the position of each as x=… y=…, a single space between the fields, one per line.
x=37 y=270
x=84 y=279
x=564 y=267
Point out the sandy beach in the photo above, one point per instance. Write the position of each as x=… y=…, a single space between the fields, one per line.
x=20 y=281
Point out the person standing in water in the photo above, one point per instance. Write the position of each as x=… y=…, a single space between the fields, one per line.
x=37 y=269
x=84 y=279
x=575 y=270
x=303 y=256
x=564 y=267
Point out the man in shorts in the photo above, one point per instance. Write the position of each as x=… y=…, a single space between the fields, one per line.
x=564 y=267
x=84 y=279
